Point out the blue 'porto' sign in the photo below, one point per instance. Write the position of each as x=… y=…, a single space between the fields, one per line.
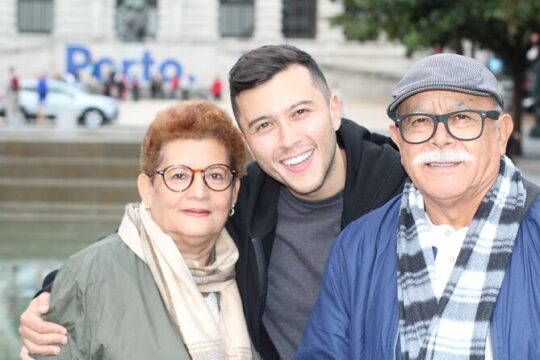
x=79 y=57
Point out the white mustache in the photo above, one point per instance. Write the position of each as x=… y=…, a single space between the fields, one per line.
x=442 y=156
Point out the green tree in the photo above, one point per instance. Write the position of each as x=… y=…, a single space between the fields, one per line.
x=502 y=26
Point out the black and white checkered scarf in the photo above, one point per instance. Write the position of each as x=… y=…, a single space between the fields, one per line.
x=456 y=325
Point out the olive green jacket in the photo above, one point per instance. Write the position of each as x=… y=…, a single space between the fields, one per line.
x=107 y=299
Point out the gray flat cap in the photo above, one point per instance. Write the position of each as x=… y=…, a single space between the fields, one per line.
x=446 y=72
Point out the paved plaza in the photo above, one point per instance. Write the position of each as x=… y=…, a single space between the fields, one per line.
x=135 y=117
x=371 y=114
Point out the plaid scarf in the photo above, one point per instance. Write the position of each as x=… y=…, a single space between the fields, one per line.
x=456 y=325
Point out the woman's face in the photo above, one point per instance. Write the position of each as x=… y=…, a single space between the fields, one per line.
x=194 y=217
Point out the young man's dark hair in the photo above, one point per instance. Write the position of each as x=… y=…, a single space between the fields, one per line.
x=260 y=65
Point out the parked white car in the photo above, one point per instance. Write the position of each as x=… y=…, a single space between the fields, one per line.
x=87 y=109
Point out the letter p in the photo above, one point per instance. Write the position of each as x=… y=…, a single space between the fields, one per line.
x=77 y=58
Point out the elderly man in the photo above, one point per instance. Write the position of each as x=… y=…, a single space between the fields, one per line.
x=450 y=269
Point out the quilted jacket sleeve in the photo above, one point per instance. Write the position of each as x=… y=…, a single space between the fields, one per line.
x=69 y=307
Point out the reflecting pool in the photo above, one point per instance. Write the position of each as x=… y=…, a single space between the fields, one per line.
x=28 y=252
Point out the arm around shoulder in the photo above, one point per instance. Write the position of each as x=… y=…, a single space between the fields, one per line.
x=48 y=282
x=69 y=309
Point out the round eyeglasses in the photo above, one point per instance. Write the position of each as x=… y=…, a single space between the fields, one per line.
x=462 y=125
x=177 y=178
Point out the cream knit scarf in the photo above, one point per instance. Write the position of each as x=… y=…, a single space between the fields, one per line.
x=182 y=282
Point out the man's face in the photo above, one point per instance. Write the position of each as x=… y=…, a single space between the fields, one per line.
x=290 y=130
x=453 y=180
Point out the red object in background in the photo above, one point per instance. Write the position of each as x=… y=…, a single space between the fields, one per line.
x=216 y=88
x=14 y=82
x=175 y=83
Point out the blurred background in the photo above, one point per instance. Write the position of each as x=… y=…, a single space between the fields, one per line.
x=80 y=81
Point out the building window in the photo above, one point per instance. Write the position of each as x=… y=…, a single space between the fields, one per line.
x=35 y=16
x=299 y=18
x=136 y=20
x=236 y=18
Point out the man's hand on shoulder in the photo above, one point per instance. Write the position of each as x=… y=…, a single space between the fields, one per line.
x=38 y=336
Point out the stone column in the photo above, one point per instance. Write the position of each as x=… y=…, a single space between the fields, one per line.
x=201 y=20
x=103 y=14
x=268 y=17
x=8 y=18
x=325 y=32
x=171 y=19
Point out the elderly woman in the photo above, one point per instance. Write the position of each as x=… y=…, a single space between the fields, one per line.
x=163 y=287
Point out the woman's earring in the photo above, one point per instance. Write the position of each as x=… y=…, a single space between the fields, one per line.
x=231 y=213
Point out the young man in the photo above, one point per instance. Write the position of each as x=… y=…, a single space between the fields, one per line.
x=313 y=174
x=451 y=268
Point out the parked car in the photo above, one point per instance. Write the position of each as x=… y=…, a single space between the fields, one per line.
x=90 y=110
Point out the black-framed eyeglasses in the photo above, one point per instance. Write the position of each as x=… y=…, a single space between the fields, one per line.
x=465 y=125
x=178 y=177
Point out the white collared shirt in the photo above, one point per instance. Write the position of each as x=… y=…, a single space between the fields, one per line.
x=447 y=241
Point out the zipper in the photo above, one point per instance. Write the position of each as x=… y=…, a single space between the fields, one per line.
x=261 y=276
x=493 y=333
x=396 y=338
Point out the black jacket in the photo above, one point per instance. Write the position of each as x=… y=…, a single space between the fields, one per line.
x=374 y=175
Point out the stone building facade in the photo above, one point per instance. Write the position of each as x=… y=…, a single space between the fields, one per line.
x=199 y=38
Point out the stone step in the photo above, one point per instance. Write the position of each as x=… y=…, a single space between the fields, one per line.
x=55 y=190
x=70 y=149
x=69 y=186
x=42 y=211
x=68 y=167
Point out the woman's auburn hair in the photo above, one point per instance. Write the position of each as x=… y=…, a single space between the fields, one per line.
x=197 y=120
